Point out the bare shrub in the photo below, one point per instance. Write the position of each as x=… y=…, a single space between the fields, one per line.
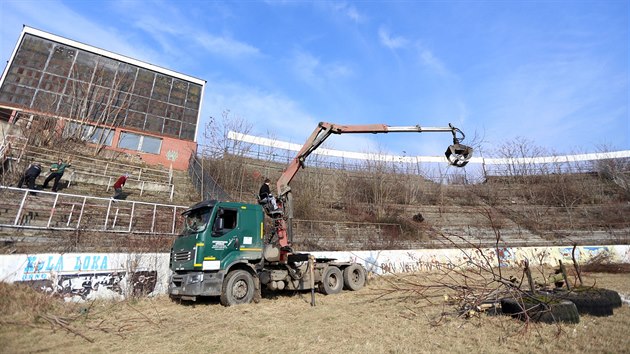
x=222 y=157
x=602 y=263
x=616 y=171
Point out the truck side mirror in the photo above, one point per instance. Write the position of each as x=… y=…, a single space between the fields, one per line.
x=218 y=225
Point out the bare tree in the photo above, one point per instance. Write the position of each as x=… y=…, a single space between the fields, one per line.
x=93 y=103
x=222 y=156
x=98 y=103
x=616 y=170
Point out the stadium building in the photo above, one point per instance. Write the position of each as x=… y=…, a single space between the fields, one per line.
x=106 y=98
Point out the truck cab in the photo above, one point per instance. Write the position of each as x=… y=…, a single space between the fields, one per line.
x=218 y=237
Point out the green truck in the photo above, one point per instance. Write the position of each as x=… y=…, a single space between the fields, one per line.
x=225 y=250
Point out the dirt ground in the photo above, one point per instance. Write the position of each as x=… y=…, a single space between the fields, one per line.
x=372 y=320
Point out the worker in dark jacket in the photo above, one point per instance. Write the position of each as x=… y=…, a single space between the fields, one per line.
x=30 y=175
x=118 y=186
x=265 y=195
x=56 y=171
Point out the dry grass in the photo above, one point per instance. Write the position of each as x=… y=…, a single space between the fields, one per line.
x=373 y=320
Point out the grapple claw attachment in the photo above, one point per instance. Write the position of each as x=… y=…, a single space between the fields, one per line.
x=458 y=155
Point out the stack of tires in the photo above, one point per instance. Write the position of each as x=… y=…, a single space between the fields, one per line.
x=562 y=305
x=592 y=301
x=541 y=309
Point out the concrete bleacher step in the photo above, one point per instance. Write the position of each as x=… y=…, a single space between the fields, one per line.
x=101 y=165
x=172 y=185
x=104 y=172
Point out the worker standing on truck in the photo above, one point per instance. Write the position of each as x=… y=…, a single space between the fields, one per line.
x=265 y=195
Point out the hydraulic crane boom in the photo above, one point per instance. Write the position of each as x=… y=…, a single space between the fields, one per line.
x=457 y=154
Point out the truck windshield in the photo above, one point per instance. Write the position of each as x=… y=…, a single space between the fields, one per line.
x=197 y=220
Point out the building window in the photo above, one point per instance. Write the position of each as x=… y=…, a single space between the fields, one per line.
x=5 y=114
x=139 y=142
x=90 y=133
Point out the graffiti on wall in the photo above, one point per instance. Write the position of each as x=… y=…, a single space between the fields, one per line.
x=41 y=267
x=382 y=262
x=172 y=155
x=84 y=275
x=85 y=284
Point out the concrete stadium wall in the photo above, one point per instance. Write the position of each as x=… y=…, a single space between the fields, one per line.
x=117 y=275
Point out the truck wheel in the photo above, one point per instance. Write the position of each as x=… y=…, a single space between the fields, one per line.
x=354 y=277
x=332 y=281
x=238 y=288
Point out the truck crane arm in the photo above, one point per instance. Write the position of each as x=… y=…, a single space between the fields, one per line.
x=457 y=155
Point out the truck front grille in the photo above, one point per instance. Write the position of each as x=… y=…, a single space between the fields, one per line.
x=182 y=256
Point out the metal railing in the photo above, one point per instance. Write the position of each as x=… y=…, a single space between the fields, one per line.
x=42 y=210
x=207 y=186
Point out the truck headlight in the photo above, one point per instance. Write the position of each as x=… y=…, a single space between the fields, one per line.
x=196 y=278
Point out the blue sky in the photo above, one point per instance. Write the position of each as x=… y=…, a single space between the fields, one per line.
x=552 y=72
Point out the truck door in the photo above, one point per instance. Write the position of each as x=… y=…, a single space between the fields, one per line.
x=224 y=243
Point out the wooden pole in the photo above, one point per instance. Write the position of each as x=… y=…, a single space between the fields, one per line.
x=311 y=266
x=528 y=273
x=564 y=275
x=576 y=266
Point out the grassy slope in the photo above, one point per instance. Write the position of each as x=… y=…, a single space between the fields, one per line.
x=357 y=322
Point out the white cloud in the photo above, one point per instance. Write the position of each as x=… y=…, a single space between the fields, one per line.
x=390 y=41
x=268 y=111
x=225 y=45
x=429 y=60
x=305 y=65
x=554 y=100
x=350 y=11
x=158 y=31
x=426 y=56
x=273 y=115
x=169 y=33
x=312 y=71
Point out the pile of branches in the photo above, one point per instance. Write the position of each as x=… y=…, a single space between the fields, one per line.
x=484 y=285
x=602 y=263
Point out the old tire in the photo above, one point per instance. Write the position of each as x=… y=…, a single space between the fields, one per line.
x=332 y=281
x=593 y=301
x=238 y=288
x=354 y=277
x=537 y=311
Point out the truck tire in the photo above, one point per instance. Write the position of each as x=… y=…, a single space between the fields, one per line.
x=354 y=277
x=332 y=281
x=556 y=311
x=238 y=288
